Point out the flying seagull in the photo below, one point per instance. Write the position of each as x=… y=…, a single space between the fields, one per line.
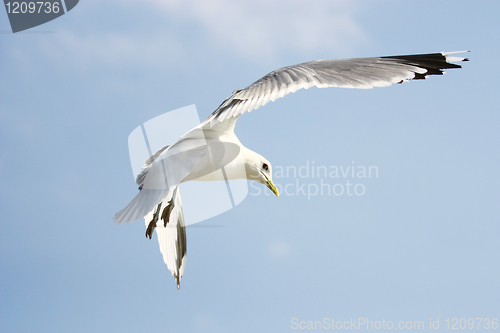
x=211 y=151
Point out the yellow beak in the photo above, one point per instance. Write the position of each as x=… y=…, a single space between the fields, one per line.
x=272 y=187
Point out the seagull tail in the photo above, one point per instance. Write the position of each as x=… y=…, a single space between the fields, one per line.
x=171 y=231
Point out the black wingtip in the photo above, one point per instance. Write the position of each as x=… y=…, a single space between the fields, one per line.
x=433 y=63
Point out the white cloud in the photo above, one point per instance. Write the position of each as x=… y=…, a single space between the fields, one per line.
x=205 y=322
x=111 y=48
x=279 y=249
x=267 y=29
x=262 y=31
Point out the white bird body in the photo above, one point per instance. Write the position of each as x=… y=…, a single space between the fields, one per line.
x=212 y=152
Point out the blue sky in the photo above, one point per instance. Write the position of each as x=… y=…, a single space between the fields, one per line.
x=420 y=243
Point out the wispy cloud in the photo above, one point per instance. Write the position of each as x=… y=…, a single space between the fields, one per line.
x=173 y=31
x=279 y=249
x=205 y=322
x=112 y=49
x=263 y=29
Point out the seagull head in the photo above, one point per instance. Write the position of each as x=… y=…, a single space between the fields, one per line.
x=266 y=176
x=260 y=170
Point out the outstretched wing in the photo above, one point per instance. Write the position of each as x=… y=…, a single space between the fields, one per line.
x=161 y=173
x=363 y=73
x=172 y=237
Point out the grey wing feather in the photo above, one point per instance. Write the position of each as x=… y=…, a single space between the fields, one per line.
x=141 y=205
x=162 y=175
x=143 y=201
x=147 y=164
x=363 y=73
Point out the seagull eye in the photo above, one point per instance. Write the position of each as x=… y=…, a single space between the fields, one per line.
x=265 y=166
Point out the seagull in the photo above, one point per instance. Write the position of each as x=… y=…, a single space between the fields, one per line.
x=212 y=152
